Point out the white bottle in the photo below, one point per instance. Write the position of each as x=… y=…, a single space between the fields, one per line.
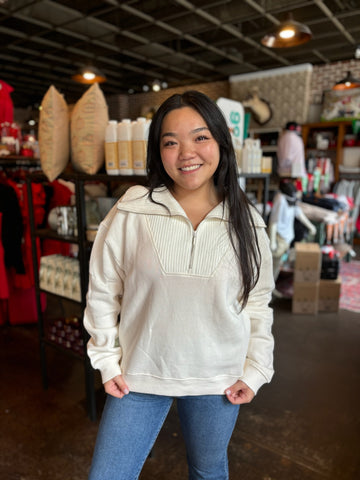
x=258 y=155
x=111 y=152
x=140 y=130
x=238 y=153
x=251 y=156
x=124 y=147
x=254 y=156
x=246 y=156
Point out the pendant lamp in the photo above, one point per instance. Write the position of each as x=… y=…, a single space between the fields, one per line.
x=89 y=75
x=287 y=34
x=347 y=83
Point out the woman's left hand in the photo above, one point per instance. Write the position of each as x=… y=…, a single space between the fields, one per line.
x=239 y=393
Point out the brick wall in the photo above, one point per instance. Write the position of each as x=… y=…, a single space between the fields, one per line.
x=286 y=89
x=325 y=76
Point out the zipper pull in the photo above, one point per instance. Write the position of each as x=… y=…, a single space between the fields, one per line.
x=192 y=250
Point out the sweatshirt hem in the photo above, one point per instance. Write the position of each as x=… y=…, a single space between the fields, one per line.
x=180 y=387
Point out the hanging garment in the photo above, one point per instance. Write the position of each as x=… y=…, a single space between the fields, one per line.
x=26 y=280
x=291 y=155
x=12 y=228
x=6 y=104
x=351 y=188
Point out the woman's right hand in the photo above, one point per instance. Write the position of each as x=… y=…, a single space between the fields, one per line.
x=116 y=387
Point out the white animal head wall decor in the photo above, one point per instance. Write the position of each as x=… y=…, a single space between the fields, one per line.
x=259 y=107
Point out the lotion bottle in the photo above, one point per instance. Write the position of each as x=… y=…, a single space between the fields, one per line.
x=111 y=153
x=124 y=147
x=140 y=130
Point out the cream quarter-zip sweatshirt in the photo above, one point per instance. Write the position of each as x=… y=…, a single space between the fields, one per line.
x=176 y=291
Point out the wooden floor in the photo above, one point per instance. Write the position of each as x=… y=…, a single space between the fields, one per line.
x=303 y=426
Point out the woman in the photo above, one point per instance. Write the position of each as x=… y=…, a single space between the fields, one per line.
x=186 y=262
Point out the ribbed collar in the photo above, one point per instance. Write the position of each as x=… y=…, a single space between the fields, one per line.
x=136 y=200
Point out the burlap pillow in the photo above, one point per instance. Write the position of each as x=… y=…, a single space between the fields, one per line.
x=54 y=134
x=89 y=119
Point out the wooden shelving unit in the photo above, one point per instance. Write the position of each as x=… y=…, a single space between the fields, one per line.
x=339 y=130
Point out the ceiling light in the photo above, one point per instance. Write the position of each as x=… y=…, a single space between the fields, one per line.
x=89 y=75
x=156 y=86
x=287 y=34
x=347 y=82
x=357 y=52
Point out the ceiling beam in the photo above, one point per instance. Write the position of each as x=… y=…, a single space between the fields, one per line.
x=335 y=21
x=233 y=31
x=48 y=27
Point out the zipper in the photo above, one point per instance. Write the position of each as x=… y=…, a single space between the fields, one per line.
x=192 y=250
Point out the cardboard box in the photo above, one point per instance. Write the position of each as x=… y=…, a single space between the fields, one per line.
x=307 y=262
x=306 y=297
x=329 y=295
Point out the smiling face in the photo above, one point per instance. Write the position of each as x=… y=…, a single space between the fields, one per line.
x=189 y=152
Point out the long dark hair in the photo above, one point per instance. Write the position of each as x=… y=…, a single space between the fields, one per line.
x=241 y=225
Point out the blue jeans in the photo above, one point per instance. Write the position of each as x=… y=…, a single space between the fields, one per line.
x=130 y=426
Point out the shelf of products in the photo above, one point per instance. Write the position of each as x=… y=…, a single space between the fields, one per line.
x=328 y=139
x=262 y=192
x=269 y=137
x=67 y=334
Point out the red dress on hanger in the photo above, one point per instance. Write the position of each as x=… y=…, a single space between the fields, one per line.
x=6 y=104
x=22 y=299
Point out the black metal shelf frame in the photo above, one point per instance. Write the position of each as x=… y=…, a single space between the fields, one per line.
x=51 y=234
x=81 y=241
x=61 y=297
x=79 y=180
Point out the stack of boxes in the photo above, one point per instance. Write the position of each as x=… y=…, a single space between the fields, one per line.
x=330 y=282
x=312 y=294
x=329 y=295
x=306 y=278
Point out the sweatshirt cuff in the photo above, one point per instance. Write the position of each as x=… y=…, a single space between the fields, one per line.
x=253 y=378
x=109 y=372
